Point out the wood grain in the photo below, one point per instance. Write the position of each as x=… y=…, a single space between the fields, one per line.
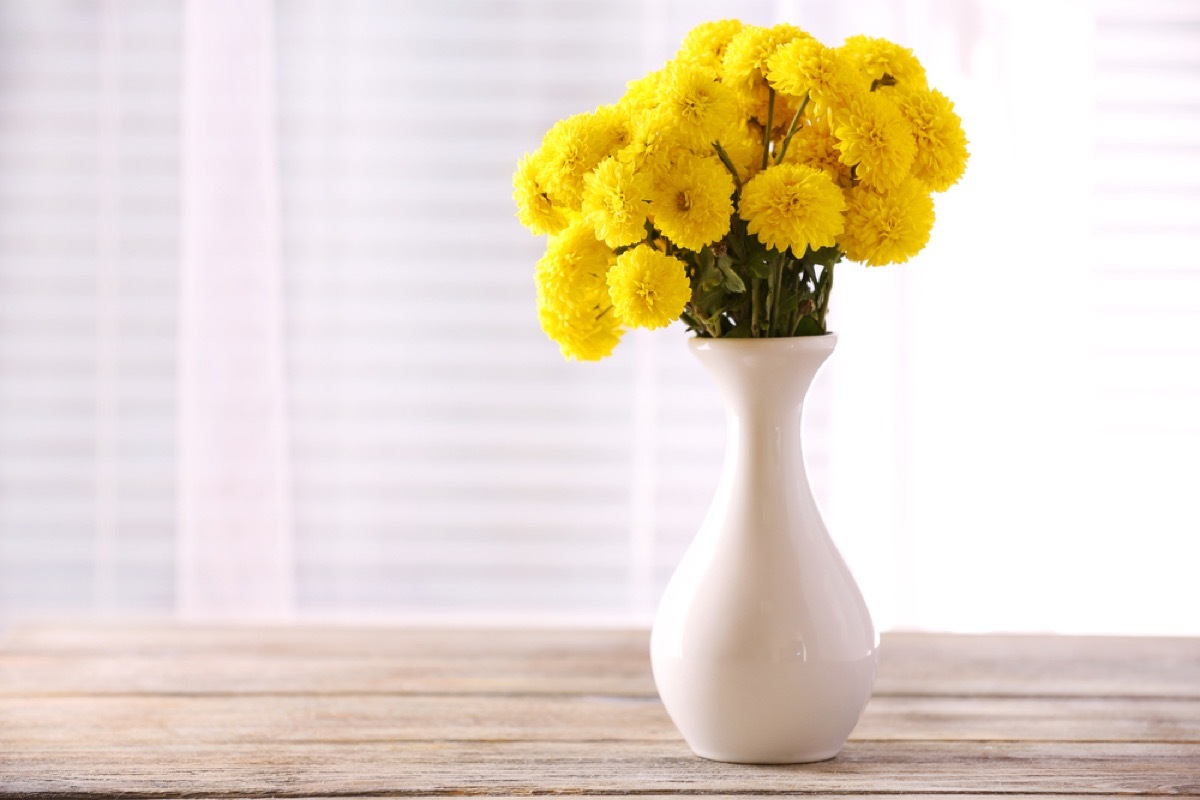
x=440 y=767
x=254 y=660
x=172 y=712
x=144 y=720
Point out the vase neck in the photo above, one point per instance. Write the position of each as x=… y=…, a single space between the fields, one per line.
x=764 y=376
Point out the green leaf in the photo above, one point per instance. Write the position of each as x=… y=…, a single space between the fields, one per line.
x=758 y=258
x=710 y=303
x=736 y=239
x=825 y=256
x=759 y=268
x=733 y=281
x=741 y=331
x=788 y=304
x=809 y=326
x=708 y=276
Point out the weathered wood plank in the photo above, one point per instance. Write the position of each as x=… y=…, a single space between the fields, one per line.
x=249 y=674
x=290 y=770
x=285 y=641
x=145 y=720
x=194 y=660
x=919 y=664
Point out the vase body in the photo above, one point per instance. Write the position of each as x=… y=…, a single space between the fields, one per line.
x=763 y=648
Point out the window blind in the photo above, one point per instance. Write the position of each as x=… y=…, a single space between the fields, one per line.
x=447 y=459
x=443 y=460
x=1145 y=301
x=89 y=160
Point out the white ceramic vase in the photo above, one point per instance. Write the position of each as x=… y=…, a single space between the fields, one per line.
x=763 y=649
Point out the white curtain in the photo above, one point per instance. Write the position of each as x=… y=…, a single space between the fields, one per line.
x=268 y=347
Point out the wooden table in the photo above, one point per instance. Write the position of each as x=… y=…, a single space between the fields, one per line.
x=240 y=713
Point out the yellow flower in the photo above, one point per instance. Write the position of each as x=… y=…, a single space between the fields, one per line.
x=814 y=145
x=705 y=44
x=744 y=66
x=642 y=93
x=655 y=143
x=616 y=127
x=875 y=139
x=574 y=260
x=648 y=289
x=699 y=106
x=805 y=66
x=746 y=55
x=614 y=201
x=941 y=144
x=793 y=206
x=886 y=227
x=587 y=332
x=572 y=148
x=692 y=202
x=878 y=57
x=535 y=209
x=572 y=294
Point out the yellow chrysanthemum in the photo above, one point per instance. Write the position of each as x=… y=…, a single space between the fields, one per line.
x=886 y=227
x=793 y=206
x=572 y=293
x=692 y=202
x=744 y=66
x=643 y=93
x=655 y=143
x=874 y=138
x=941 y=143
x=700 y=108
x=614 y=201
x=746 y=55
x=805 y=66
x=705 y=44
x=587 y=332
x=574 y=260
x=814 y=144
x=878 y=57
x=572 y=148
x=648 y=289
x=535 y=209
x=616 y=127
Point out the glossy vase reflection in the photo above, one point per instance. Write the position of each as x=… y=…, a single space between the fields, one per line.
x=763 y=648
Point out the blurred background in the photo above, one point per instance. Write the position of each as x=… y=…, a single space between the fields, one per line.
x=268 y=345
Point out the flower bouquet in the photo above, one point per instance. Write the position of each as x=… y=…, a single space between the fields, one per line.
x=722 y=189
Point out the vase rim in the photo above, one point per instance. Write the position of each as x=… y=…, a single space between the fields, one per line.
x=822 y=342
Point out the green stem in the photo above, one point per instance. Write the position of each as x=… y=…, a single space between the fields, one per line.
x=770 y=124
x=823 y=310
x=728 y=162
x=792 y=129
x=755 y=296
x=775 y=329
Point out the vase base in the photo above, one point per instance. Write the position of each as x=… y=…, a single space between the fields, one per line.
x=749 y=759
